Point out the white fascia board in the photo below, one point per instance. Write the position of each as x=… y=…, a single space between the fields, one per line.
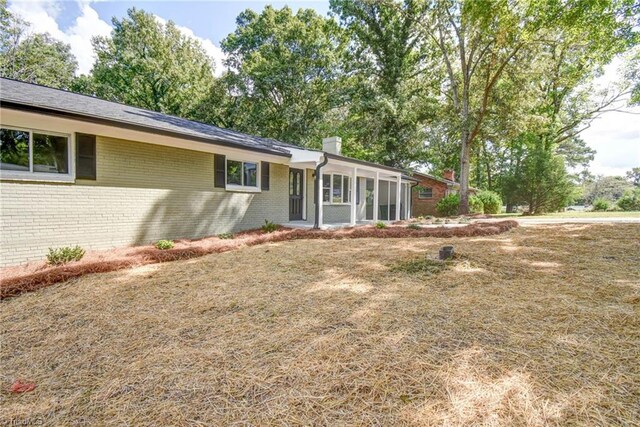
x=299 y=155
x=24 y=119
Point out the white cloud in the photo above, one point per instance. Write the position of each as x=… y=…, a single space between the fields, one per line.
x=42 y=16
x=615 y=135
x=212 y=50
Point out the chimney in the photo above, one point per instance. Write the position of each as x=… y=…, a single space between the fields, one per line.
x=332 y=145
x=449 y=174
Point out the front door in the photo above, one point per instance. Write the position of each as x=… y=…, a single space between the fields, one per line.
x=296 y=194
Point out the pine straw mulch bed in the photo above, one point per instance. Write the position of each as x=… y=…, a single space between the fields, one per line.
x=17 y=280
x=536 y=327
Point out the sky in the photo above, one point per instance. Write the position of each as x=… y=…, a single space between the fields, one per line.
x=615 y=136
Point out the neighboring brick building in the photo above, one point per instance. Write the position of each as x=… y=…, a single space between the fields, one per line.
x=430 y=190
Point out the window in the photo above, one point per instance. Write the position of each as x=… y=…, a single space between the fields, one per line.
x=326 y=188
x=250 y=174
x=25 y=153
x=346 y=189
x=242 y=174
x=425 y=193
x=336 y=188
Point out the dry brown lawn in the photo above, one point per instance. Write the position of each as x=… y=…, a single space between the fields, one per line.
x=538 y=326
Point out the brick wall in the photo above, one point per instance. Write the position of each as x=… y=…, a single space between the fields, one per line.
x=427 y=206
x=143 y=193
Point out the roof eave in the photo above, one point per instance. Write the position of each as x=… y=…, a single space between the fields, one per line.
x=363 y=162
x=134 y=126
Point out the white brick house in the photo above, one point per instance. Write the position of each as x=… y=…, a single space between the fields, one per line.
x=80 y=170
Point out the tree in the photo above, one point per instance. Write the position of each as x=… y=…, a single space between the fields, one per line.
x=151 y=65
x=390 y=99
x=540 y=181
x=634 y=176
x=33 y=58
x=285 y=72
x=482 y=42
x=610 y=188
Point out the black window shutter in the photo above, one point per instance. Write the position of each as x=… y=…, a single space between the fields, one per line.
x=264 y=176
x=357 y=190
x=85 y=156
x=219 y=176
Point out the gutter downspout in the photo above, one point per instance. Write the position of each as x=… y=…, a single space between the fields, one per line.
x=316 y=190
x=414 y=185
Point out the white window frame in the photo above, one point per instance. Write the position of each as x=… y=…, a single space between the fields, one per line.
x=42 y=176
x=324 y=187
x=242 y=187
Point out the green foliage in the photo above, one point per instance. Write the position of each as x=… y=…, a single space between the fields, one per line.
x=380 y=225
x=164 y=244
x=269 y=227
x=34 y=58
x=389 y=98
x=610 y=188
x=540 y=181
x=286 y=71
x=64 y=255
x=634 y=176
x=450 y=205
x=226 y=236
x=414 y=226
x=491 y=201
x=630 y=201
x=600 y=205
x=475 y=205
x=150 y=64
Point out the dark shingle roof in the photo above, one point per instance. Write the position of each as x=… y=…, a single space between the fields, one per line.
x=20 y=95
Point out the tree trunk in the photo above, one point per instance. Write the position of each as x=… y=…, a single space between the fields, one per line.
x=464 y=175
x=488 y=166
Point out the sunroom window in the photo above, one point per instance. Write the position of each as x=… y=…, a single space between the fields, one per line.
x=326 y=188
x=26 y=153
x=242 y=174
x=336 y=188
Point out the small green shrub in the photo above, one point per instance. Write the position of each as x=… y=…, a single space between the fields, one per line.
x=164 y=244
x=630 y=201
x=475 y=205
x=491 y=201
x=614 y=208
x=449 y=205
x=414 y=226
x=226 y=236
x=381 y=225
x=269 y=227
x=64 y=255
x=600 y=205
